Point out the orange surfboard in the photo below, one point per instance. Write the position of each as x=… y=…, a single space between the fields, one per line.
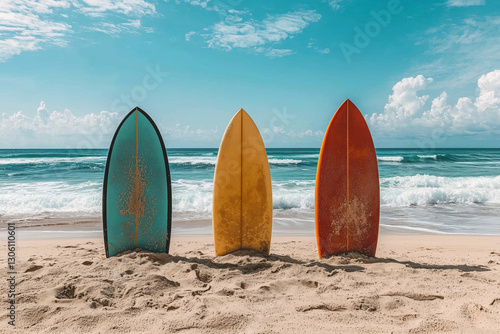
x=347 y=186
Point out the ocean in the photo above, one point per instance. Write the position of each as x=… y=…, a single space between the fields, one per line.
x=445 y=191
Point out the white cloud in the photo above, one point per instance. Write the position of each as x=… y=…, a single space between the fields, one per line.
x=459 y=51
x=404 y=114
x=254 y=35
x=234 y=33
x=322 y=51
x=54 y=129
x=277 y=53
x=57 y=129
x=335 y=4
x=404 y=102
x=280 y=134
x=29 y=25
x=22 y=28
x=489 y=91
x=311 y=45
x=465 y=3
x=35 y=6
x=201 y=3
x=223 y=8
x=41 y=107
x=179 y=133
x=98 y=8
x=131 y=27
x=189 y=35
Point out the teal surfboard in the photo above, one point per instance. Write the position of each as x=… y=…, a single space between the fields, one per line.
x=137 y=195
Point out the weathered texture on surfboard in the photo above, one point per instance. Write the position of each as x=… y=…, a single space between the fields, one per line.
x=227 y=192
x=256 y=189
x=347 y=186
x=136 y=194
x=242 y=201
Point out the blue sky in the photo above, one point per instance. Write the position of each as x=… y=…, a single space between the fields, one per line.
x=425 y=73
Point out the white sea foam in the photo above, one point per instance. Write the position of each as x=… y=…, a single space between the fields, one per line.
x=433 y=156
x=187 y=160
x=55 y=160
x=413 y=229
x=195 y=196
x=293 y=194
x=204 y=160
x=390 y=159
x=301 y=156
x=284 y=161
x=417 y=190
x=192 y=196
x=480 y=163
x=45 y=197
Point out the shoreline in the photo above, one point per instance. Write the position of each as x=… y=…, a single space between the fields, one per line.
x=92 y=229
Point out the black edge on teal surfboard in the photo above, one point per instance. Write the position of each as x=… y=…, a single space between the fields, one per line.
x=168 y=179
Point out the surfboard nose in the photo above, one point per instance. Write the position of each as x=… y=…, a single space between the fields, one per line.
x=349 y=102
x=241 y=112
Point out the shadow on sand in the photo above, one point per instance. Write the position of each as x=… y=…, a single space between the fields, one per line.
x=249 y=261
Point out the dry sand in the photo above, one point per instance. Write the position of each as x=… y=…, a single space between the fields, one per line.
x=417 y=284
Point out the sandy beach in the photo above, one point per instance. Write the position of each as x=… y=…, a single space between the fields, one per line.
x=417 y=284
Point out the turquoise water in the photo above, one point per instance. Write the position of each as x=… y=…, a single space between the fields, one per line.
x=433 y=191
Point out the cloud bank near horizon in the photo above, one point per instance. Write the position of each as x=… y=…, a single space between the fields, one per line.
x=57 y=129
x=408 y=114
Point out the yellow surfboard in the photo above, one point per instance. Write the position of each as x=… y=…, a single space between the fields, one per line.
x=242 y=198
